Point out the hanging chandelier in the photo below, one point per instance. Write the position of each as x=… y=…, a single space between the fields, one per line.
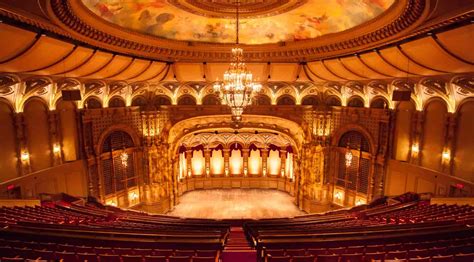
x=237 y=89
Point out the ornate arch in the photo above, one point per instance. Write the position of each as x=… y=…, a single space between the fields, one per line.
x=354 y=127
x=119 y=127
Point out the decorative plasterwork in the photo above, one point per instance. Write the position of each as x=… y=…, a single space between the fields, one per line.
x=74 y=19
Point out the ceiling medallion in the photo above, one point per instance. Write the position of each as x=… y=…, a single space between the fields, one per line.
x=248 y=8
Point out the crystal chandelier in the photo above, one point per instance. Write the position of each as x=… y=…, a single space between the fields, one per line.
x=237 y=88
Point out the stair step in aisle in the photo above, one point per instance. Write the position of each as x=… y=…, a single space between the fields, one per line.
x=237 y=247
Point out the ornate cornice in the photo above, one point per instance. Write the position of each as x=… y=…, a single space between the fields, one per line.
x=72 y=20
x=80 y=22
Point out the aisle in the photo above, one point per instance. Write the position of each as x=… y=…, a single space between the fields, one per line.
x=237 y=248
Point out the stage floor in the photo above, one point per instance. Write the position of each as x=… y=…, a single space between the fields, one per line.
x=236 y=204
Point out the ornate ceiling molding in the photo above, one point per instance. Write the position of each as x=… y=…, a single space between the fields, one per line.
x=79 y=22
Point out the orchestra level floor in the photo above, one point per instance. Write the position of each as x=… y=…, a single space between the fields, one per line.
x=236 y=204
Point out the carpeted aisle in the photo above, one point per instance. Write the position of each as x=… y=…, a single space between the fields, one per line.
x=237 y=248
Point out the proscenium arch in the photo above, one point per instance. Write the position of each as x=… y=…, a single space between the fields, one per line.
x=223 y=122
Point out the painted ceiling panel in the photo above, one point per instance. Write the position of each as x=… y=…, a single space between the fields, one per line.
x=395 y=57
x=98 y=61
x=13 y=41
x=268 y=21
x=373 y=60
x=355 y=65
x=155 y=70
x=459 y=41
x=116 y=66
x=283 y=72
x=432 y=55
x=78 y=57
x=189 y=71
x=338 y=69
x=45 y=52
x=322 y=72
x=136 y=67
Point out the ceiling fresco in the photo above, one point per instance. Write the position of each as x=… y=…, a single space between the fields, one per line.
x=280 y=21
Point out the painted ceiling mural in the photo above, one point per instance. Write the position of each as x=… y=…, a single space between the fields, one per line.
x=309 y=20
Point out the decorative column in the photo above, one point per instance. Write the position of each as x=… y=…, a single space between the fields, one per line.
x=207 y=157
x=264 y=161
x=189 y=155
x=24 y=166
x=245 y=155
x=416 y=138
x=449 y=150
x=53 y=138
x=226 y=152
x=283 y=163
x=100 y=185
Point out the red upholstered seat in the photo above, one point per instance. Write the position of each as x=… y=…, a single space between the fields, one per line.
x=441 y=258
x=358 y=257
x=123 y=251
x=355 y=249
x=276 y=252
x=204 y=259
x=12 y=259
x=103 y=250
x=90 y=257
x=206 y=253
x=155 y=259
x=143 y=251
x=418 y=253
x=419 y=259
x=278 y=258
x=130 y=258
x=109 y=258
x=318 y=251
x=179 y=259
x=464 y=257
x=396 y=255
x=327 y=258
x=374 y=256
x=337 y=250
x=66 y=256
x=163 y=252
x=295 y=252
x=303 y=258
x=184 y=253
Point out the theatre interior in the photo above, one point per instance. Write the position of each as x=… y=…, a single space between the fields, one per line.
x=237 y=130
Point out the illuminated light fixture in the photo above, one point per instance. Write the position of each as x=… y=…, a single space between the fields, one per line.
x=238 y=88
x=133 y=196
x=348 y=157
x=56 y=148
x=25 y=156
x=446 y=155
x=338 y=195
x=360 y=202
x=124 y=159
x=415 y=148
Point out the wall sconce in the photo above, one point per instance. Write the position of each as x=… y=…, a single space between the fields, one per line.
x=226 y=172
x=360 y=201
x=56 y=148
x=245 y=171
x=446 y=156
x=133 y=196
x=415 y=149
x=338 y=196
x=25 y=156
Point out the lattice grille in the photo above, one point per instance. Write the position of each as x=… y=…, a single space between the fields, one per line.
x=352 y=171
x=107 y=171
x=119 y=174
x=354 y=140
x=117 y=140
x=342 y=171
x=363 y=186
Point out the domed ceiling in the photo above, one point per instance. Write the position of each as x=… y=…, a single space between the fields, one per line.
x=263 y=21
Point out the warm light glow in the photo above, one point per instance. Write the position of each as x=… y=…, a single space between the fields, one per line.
x=289 y=165
x=182 y=165
x=198 y=162
x=254 y=162
x=360 y=201
x=56 y=148
x=217 y=163
x=274 y=162
x=236 y=162
x=348 y=157
x=446 y=155
x=238 y=89
x=133 y=197
x=415 y=148
x=111 y=202
x=25 y=156
x=124 y=159
x=338 y=197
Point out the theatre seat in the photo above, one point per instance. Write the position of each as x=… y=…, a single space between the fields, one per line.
x=441 y=258
x=155 y=259
x=358 y=257
x=204 y=259
x=90 y=257
x=464 y=257
x=206 y=253
x=271 y=258
x=66 y=256
x=179 y=259
x=328 y=258
x=15 y=259
x=302 y=258
x=109 y=258
x=131 y=258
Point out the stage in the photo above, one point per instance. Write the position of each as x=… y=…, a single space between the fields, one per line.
x=236 y=204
